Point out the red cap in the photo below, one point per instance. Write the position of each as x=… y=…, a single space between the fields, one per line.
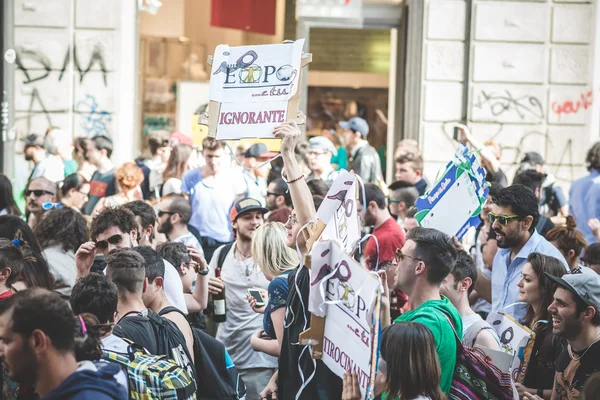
x=180 y=138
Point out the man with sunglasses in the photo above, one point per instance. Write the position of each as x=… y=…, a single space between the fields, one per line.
x=513 y=217
x=402 y=197
x=278 y=195
x=173 y=215
x=40 y=191
x=116 y=228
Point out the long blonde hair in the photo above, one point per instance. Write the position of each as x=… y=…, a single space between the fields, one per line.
x=269 y=250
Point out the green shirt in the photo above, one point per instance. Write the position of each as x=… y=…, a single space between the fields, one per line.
x=341 y=159
x=431 y=314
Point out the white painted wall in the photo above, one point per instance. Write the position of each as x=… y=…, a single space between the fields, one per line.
x=530 y=64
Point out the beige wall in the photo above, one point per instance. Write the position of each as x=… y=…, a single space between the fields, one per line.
x=168 y=22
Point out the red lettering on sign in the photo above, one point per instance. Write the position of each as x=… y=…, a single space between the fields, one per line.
x=568 y=107
x=251 y=117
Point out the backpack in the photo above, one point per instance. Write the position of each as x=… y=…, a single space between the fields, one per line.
x=475 y=377
x=153 y=377
x=221 y=381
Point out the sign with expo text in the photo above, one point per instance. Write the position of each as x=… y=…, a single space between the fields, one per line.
x=253 y=89
x=351 y=295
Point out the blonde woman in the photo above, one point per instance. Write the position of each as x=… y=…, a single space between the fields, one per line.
x=129 y=177
x=276 y=260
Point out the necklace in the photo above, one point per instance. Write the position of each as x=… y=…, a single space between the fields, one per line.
x=577 y=358
x=243 y=260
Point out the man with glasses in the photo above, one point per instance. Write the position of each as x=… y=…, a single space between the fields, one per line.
x=426 y=259
x=278 y=195
x=513 y=217
x=173 y=215
x=320 y=150
x=39 y=192
x=402 y=197
x=363 y=158
x=116 y=228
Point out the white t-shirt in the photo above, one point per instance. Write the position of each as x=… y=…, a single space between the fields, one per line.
x=469 y=320
x=62 y=266
x=172 y=185
x=242 y=322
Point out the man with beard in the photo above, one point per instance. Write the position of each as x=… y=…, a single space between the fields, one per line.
x=37 y=347
x=40 y=191
x=514 y=216
x=278 y=195
x=575 y=317
x=238 y=273
x=174 y=213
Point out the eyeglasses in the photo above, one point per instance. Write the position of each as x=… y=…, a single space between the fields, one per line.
x=161 y=213
x=37 y=193
x=274 y=194
x=502 y=219
x=314 y=153
x=394 y=201
x=50 y=206
x=114 y=240
x=400 y=256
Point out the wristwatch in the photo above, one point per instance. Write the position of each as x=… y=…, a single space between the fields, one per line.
x=202 y=272
x=540 y=392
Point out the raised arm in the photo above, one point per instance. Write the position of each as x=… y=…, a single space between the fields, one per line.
x=299 y=191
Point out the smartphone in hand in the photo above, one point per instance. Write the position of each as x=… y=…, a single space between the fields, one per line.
x=260 y=302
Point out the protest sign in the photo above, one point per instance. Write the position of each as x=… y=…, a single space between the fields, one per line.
x=516 y=340
x=351 y=297
x=253 y=89
x=454 y=203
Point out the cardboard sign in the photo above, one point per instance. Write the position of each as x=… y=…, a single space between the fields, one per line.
x=351 y=297
x=339 y=211
x=454 y=203
x=253 y=89
x=516 y=340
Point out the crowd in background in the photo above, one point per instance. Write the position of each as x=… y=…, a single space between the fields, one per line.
x=196 y=254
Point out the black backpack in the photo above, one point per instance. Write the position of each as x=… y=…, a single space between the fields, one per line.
x=216 y=379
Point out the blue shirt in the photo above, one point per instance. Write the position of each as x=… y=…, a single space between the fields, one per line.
x=584 y=202
x=506 y=274
x=278 y=294
x=211 y=205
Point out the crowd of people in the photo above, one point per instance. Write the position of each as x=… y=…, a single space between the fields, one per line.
x=181 y=275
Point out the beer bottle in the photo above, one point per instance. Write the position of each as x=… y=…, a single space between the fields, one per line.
x=220 y=306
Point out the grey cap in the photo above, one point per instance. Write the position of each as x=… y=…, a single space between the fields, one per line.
x=322 y=143
x=584 y=283
x=356 y=124
x=34 y=140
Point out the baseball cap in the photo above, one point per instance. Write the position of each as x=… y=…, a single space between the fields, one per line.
x=533 y=158
x=34 y=140
x=259 y=150
x=244 y=205
x=356 y=124
x=583 y=283
x=322 y=143
x=180 y=138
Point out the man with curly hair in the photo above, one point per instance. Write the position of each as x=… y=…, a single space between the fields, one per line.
x=584 y=196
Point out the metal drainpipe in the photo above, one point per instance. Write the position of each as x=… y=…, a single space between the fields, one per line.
x=466 y=114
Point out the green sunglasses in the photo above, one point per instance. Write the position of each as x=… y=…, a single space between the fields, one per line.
x=393 y=201
x=502 y=219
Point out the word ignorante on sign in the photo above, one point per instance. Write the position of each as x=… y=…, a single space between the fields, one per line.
x=251 y=117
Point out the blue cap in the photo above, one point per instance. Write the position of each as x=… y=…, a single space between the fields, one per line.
x=322 y=143
x=356 y=124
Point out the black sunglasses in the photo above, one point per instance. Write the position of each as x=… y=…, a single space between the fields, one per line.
x=274 y=194
x=161 y=213
x=37 y=193
x=114 y=240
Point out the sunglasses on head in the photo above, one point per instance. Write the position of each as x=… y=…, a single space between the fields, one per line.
x=502 y=219
x=114 y=240
x=50 y=206
x=37 y=193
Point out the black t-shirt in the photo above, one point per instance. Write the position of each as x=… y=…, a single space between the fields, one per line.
x=570 y=387
x=138 y=328
x=540 y=372
x=325 y=384
x=101 y=185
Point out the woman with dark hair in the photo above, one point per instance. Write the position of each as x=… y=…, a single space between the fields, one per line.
x=537 y=290
x=36 y=273
x=7 y=200
x=60 y=234
x=409 y=363
x=74 y=191
x=569 y=241
x=179 y=162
